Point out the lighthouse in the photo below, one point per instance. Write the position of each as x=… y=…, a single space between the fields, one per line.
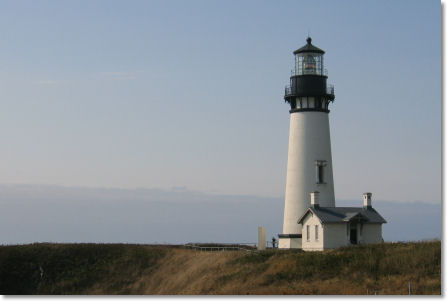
x=309 y=164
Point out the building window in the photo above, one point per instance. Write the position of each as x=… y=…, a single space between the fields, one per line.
x=320 y=172
x=308 y=232
x=316 y=232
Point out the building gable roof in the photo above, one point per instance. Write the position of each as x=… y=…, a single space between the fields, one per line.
x=345 y=214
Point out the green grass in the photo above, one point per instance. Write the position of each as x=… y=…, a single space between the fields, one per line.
x=366 y=267
x=72 y=268
x=258 y=257
x=412 y=261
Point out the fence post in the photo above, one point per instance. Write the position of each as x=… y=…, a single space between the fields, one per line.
x=409 y=288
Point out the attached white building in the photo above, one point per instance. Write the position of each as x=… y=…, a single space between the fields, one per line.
x=332 y=227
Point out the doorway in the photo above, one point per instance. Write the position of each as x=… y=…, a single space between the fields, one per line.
x=353 y=234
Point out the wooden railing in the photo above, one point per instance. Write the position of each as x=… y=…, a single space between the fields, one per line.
x=220 y=247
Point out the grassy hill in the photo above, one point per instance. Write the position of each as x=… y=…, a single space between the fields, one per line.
x=148 y=269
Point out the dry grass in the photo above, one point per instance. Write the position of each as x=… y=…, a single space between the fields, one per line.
x=186 y=272
x=387 y=269
x=121 y=269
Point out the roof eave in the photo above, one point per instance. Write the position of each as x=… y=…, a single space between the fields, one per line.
x=304 y=215
x=317 y=50
x=345 y=222
x=306 y=212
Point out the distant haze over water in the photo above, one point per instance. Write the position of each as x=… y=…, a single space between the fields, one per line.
x=75 y=214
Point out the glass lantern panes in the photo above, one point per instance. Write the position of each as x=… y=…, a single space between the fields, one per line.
x=309 y=63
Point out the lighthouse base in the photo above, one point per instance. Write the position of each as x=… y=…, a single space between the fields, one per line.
x=289 y=241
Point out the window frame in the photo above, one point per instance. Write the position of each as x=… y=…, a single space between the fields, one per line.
x=320 y=171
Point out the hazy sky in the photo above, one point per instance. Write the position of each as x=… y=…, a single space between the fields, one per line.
x=160 y=94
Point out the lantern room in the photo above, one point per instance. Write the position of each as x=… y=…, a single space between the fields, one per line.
x=308 y=89
x=309 y=60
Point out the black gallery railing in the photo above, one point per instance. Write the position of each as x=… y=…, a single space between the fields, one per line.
x=329 y=90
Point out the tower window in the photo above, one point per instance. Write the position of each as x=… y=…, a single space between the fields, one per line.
x=318 y=103
x=320 y=172
x=311 y=102
x=304 y=102
x=293 y=103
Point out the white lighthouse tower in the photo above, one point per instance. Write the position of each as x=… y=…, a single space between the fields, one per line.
x=309 y=165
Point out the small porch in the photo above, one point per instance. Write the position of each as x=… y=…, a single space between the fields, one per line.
x=354 y=227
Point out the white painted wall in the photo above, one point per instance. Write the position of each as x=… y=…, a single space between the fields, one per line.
x=310 y=243
x=371 y=234
x=284 y=243
x=309 y=141
x=335 y=235
x=289 y=243
x=295 y=243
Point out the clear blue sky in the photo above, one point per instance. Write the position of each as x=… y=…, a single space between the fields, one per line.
x=159 y=94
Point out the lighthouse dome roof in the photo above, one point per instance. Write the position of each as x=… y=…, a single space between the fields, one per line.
x=308 y=48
